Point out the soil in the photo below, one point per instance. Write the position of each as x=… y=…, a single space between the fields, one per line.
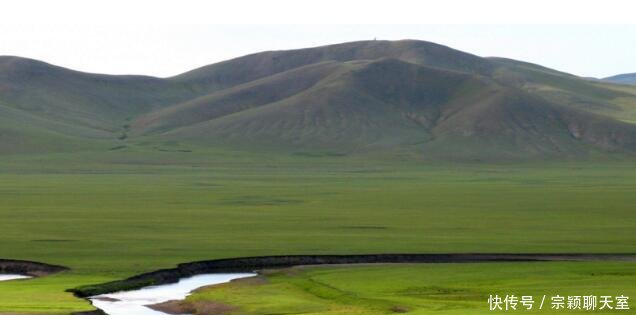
x=199 y=307
x=28 y=268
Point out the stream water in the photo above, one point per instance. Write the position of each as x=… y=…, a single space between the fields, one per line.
x=6 y=277
x=134 y=302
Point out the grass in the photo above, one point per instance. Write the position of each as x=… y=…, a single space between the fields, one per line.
x=44 y=295
x=109 y=217
x=420 y=289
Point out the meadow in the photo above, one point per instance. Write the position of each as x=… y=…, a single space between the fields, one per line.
x=424 y=289
x=115 y=214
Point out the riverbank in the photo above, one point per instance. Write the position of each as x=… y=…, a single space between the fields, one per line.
x=249 y=264
x=28 y=268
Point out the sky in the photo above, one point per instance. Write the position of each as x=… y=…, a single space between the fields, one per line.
x=165 y=38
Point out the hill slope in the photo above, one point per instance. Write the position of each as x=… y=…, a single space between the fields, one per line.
x=21 y=132
x=91 y=100
x=390 y=104
x=628 y=78
x=256 y=66
x=237 y=98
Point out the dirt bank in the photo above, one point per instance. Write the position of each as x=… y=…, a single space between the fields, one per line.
x=28 y=268
x=197 y=307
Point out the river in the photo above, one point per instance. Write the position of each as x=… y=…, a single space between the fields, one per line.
x=7 y=277
x=134 y=302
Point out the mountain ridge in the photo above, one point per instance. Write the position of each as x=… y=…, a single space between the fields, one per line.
x=353 y=98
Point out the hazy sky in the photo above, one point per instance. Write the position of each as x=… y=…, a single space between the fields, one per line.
x=161 y=39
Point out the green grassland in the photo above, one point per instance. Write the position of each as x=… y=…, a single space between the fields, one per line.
x=119 y=213
x=419 y=289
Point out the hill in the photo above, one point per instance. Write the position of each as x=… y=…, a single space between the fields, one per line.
x=364 y=97
x=389 y=104
x=628 y=78
x=21 y=132
x=92 y=100
x=259 y=65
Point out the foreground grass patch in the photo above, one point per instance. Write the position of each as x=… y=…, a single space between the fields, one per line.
x=418 y=289
x=44 y=295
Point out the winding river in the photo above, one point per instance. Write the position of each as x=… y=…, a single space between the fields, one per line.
x=134 y=302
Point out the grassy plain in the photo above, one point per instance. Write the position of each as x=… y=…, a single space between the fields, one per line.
x=422 y=289
x=119 y=213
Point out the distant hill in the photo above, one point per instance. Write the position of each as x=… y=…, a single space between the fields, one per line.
x=93 y=100
x=260 y=65
x=351 y=98
x=628 y=78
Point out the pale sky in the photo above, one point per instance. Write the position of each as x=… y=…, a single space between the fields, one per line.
x=164 y=38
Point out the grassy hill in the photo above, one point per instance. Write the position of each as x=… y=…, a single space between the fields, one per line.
x=392 y=104
x=22 y=132
x=627 y=78
x=256 y=66
x=235 y=99
x=391 y=97
x=93 y=100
